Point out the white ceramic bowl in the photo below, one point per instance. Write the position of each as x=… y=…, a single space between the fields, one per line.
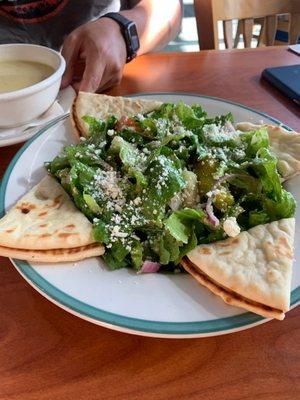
x=21 y=106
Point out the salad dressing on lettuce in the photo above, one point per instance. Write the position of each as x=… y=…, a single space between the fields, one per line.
x=157 y=185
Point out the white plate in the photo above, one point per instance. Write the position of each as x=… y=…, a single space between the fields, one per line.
x=13 y=136
x=164 y=305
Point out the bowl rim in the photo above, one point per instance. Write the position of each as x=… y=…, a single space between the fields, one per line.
x=40 y=85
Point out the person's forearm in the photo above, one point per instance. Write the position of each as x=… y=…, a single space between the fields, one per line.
x=157 y=21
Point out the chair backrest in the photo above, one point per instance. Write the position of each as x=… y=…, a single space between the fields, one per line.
x=209 y=12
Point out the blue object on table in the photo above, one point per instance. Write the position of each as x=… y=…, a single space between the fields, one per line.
x=286 y=79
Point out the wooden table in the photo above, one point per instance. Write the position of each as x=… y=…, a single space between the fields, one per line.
x=46 y=353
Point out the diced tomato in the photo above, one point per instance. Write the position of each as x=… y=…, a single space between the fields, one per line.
x=127 y=122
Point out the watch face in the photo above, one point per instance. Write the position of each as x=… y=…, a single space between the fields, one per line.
x=133 y=37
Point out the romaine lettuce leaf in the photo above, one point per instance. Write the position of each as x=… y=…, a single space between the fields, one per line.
x=136 y=254
x=99 y=128
x=177 y=228
x=258 y=218
x=96 y=126
x=175 y=152
x=165 y=180
x=283 y=208
x=264 y=166
x=180 y=223
x=100 y=233
x=255 y=141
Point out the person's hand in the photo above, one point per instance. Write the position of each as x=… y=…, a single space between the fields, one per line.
x=100 y=46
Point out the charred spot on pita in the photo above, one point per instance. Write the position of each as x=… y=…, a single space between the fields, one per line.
x=70 y=226
x=56 y=200
x=225 y=253
x=223 y=244
x=25 y=208
x=205 y=250
x=65 y=235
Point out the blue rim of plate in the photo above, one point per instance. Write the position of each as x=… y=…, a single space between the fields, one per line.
x=138 y=325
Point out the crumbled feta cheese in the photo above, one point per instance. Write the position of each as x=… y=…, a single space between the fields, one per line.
x=133 y=220
x=109 y=183
x=117 y=219
x=178 y=130
x=175 y=118
x=121 y=234
x=175 y=202
x=118 y=208
x=137 y=201
x=231 y=227
x=140 y=117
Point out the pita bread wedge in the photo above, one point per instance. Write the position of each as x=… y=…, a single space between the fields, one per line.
x=54 y=255
x=102 y=106
x=252 y=271
x=44 y=225
x=284 y=144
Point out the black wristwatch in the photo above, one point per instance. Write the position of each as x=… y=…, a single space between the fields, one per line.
x=129 y=32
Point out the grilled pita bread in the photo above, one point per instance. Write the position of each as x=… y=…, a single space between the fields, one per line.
x=54 y=255
x=45 y=225
x=252 y=270
x=102 y=106
x=230 y=297
x=284 y=144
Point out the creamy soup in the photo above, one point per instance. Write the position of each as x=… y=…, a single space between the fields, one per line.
x=17 y=74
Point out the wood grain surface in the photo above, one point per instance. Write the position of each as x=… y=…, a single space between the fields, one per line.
x=46 y=353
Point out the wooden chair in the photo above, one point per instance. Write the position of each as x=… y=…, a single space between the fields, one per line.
x=264 y=12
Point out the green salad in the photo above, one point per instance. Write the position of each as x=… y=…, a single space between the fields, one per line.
x=157 y=185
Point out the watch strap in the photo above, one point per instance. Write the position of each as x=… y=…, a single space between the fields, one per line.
x=119 y=18
x=132 y=43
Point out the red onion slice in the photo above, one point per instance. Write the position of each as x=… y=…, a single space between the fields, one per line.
x=223 y=179
x=209 y=208
x=210 y=213
x=149 y=267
